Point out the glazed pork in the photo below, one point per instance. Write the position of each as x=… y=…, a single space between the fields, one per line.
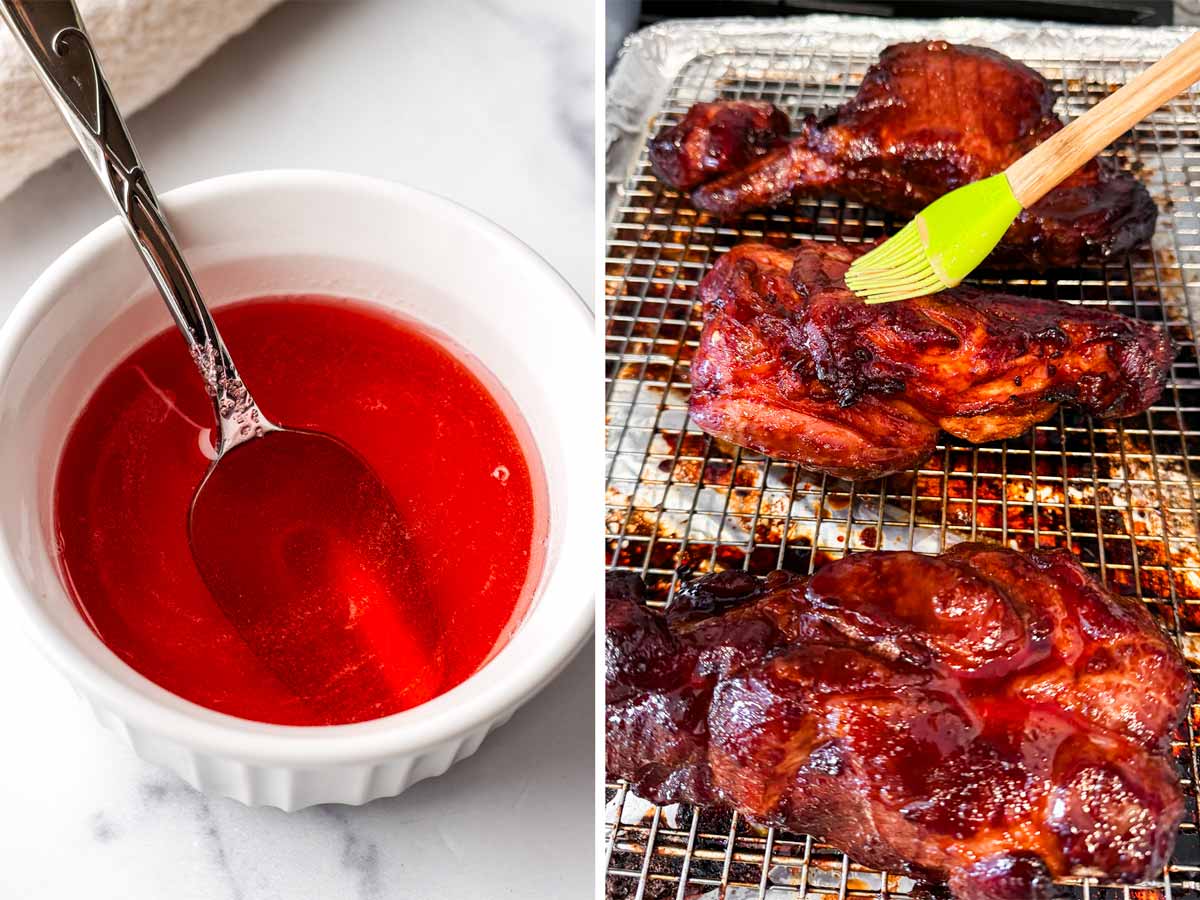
x=717 y=138
x=794 y=365
x=929 y=117
x=988 y=718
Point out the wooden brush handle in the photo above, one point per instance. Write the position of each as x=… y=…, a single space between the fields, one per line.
x=1050 y=162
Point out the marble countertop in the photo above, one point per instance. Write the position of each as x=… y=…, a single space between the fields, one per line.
x=490 y=103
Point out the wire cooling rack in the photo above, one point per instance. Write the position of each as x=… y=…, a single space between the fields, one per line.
x=1121 y=495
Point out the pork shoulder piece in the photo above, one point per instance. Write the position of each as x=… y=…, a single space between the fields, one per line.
x=928 y=117
x=792 y=364
x=715 y=138
x=987 y=718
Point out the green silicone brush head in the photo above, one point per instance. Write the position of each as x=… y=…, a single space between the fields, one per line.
x=940 y=247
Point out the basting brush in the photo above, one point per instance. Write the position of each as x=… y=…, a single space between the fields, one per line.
x=953 y=234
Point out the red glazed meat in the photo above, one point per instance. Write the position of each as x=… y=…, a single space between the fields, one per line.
x=715 y=138
x=794 y=365
x=929 y=117
x=987 y=718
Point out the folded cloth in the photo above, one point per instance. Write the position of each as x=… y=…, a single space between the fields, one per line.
x=145 y=47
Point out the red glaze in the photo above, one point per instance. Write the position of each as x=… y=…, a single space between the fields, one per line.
x=985 y=717
x=794 y=365
x=928 y=117
x=443 y=446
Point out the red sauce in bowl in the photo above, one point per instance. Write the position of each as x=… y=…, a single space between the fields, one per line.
x=451 y=454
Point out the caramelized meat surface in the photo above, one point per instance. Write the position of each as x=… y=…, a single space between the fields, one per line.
x=794 y=365
x=715 y=138
x=988 y=718
x=929 y=117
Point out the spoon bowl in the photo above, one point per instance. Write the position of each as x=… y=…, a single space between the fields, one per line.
x=301 y=546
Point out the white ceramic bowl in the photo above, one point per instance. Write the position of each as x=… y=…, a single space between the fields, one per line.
x=316 y=232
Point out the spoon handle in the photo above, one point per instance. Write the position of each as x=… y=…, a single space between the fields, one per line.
x=53 y=35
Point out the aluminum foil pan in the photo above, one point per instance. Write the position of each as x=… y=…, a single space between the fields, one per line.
x=1123 y=495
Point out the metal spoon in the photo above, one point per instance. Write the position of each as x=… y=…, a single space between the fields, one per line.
x=283 y=588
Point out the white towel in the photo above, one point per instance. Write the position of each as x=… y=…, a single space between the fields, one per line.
x=145 y=47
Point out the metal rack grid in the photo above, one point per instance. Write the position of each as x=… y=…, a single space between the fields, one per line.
x=1121 y=495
